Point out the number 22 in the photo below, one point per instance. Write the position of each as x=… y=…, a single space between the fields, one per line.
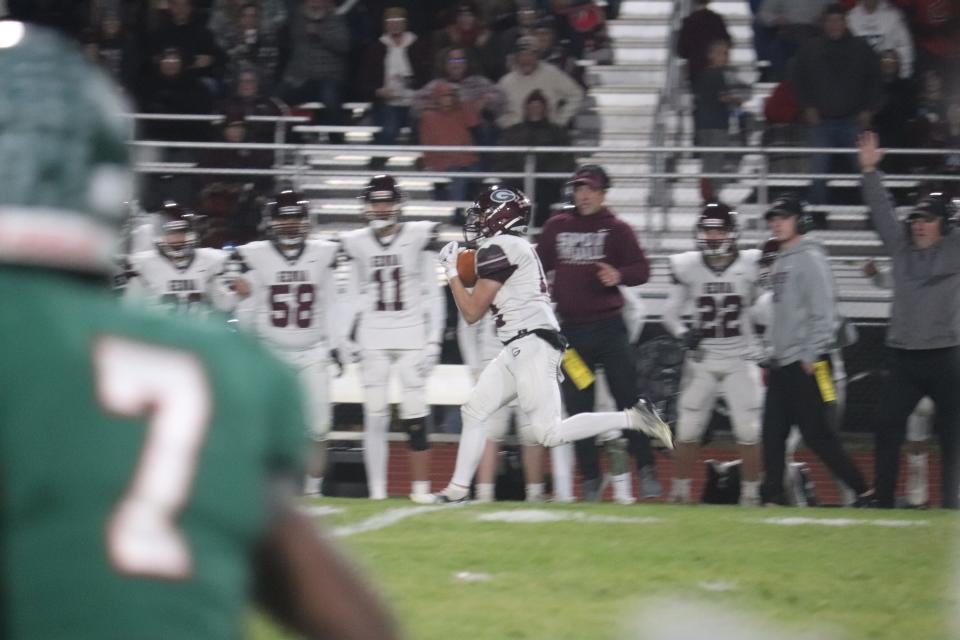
x=169 y=388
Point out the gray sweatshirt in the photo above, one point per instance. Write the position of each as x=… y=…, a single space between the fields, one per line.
x=926 y=282
x=804 y=313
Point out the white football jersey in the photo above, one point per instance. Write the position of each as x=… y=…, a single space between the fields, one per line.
x=395 y=286
x=720 y=299
x=291 y=297
x=523 y=302
x=194 y=288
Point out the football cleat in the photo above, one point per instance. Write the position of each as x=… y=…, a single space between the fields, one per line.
x=643 y=417
x=650 y=487
x=441 y=497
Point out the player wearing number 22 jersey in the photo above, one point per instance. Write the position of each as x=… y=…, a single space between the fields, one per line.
x=721 y=284
x=145 y=459
x=292 y=290
x=400 y=317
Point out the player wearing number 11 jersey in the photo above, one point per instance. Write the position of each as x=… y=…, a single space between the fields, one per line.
x=291 y=282
x=145 y=460
x=720 y=282
x=400 y=316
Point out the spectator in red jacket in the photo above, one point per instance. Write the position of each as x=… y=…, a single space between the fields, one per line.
x=449 y=122
x=699 y=30
x=935 y=25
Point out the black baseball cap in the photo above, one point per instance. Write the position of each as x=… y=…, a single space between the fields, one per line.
x=785 y=206
x=933 y=205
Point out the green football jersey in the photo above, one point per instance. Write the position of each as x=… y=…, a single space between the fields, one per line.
x=136 y=457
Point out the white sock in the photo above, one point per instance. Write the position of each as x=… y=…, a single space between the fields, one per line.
x=376 y=452
x=561 y=463
x=680 y=489
x=590 y=425
x=485 y=492
x=749 y=489
x=311 y=485
x=534 y=491
x=917 y=479
x=473 y=439
x=622 y=487
x=420 y=487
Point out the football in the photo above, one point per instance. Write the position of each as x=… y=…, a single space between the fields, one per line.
x=467 y=267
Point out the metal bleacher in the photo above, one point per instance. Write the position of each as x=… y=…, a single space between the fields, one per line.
x=636 y=122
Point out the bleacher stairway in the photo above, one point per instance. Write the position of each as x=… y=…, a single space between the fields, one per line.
x=625 y=98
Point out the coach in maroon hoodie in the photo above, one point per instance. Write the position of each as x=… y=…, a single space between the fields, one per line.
x=591 y=252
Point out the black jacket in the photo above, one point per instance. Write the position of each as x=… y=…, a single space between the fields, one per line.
x=840 y=78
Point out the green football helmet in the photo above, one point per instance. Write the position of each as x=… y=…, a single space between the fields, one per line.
x=64 y=160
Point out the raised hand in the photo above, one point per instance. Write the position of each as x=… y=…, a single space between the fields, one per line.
x=870 y=154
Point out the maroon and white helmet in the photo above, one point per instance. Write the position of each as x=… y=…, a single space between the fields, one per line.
x=768 y=252
x=497 y=210
x=382 y=188
x=178 y=233
x=288 y=218
x=716 y=215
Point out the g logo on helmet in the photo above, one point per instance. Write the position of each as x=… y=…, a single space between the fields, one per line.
x=503 y=195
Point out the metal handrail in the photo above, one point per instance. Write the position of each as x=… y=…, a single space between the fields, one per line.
x=519 y=149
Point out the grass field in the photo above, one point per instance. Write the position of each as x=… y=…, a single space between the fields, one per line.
x=590 y=571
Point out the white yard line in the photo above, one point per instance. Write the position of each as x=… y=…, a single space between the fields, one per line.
x=383 y=520
x=318 y=510
x=845 y=522
x=536 y=516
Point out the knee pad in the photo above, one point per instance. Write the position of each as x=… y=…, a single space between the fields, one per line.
x=416 y=429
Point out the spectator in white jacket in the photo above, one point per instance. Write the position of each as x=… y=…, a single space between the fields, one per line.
x=529 y=74
x=882 y=25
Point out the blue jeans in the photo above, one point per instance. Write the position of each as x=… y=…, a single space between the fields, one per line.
x=837 y=133
x=391 y=119
x=458 y=186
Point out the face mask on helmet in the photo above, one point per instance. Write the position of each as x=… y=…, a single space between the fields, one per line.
x=714 y=244
x=289 y=230
x=382 y=200
x=179 y=241
x=382 y=214
x=717 y=232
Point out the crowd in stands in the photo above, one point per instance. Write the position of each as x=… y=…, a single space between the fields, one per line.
x=431 y=71
x=840 y=68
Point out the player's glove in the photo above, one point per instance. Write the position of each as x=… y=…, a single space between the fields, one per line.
x=692 y=338
x=348 y=351
x=336 y=360
x=431 y=358
x=448 y=258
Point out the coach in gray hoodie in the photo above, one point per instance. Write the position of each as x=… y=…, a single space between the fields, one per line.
x=924 y=330
x=802 y=332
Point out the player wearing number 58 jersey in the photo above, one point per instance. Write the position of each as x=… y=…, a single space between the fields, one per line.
x=290 y=281
x=149 y=499
x=177 y=275
x=720 y=283
x=400 y=316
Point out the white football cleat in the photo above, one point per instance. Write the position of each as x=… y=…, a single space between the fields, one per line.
x=447 y=496
x=643 y=417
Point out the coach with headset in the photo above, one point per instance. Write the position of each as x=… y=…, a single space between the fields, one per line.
x=802 y=333
x=924 y=330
